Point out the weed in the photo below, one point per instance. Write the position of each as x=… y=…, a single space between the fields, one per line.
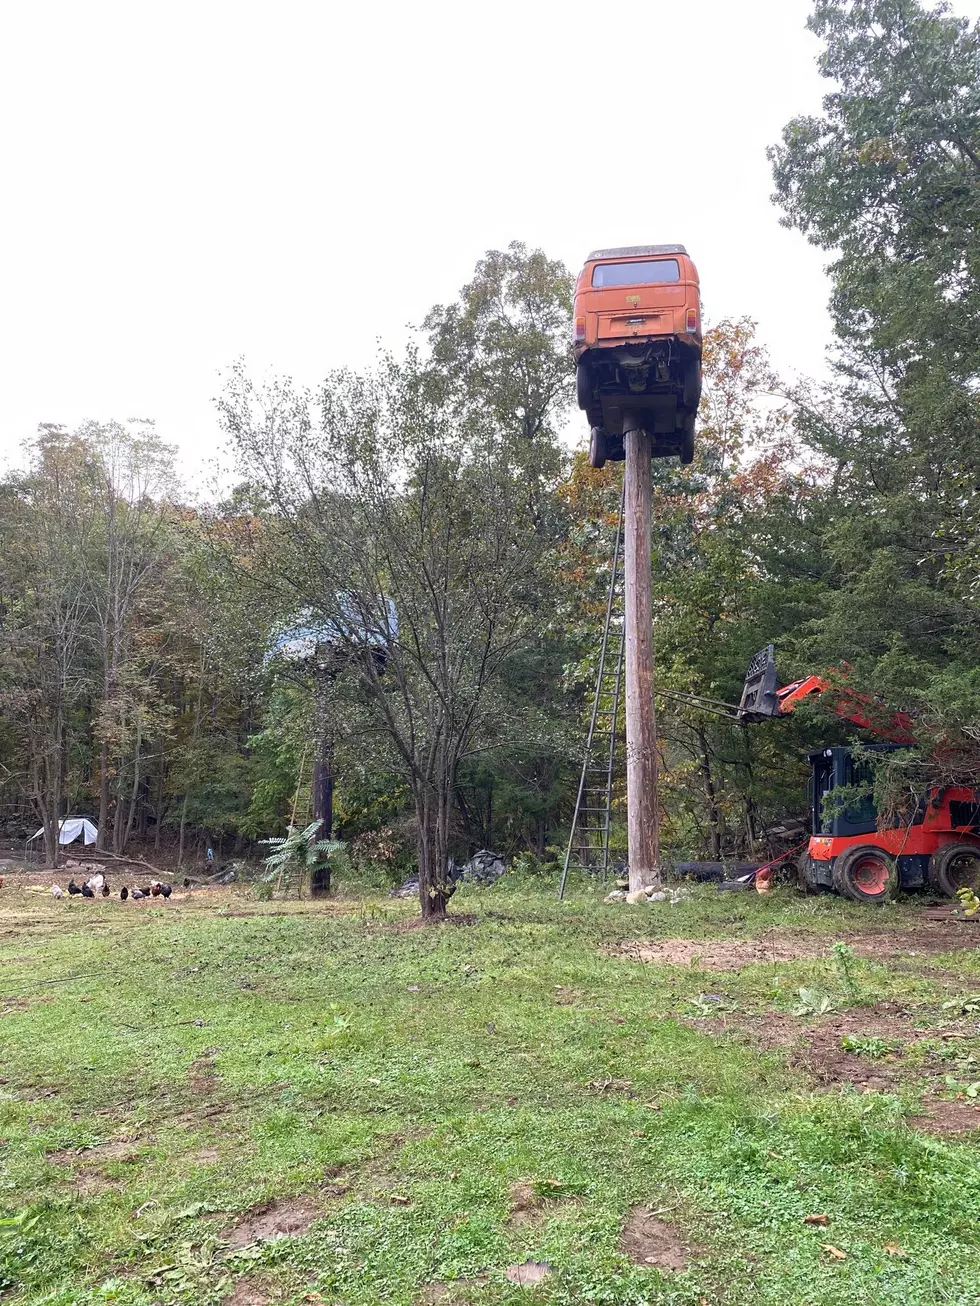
x=844 y=960
x=813 y=1002
x=866 y=1046
x=968 y=1006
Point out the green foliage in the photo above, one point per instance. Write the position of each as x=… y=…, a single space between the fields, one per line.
x=297 y=854
x=866 y=1046
x=844 y=959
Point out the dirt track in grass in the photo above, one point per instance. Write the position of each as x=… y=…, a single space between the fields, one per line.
x=928 y=939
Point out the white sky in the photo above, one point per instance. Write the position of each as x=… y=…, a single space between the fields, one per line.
x=184 y=183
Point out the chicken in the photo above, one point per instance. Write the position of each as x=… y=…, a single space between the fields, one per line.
x=86 y=891
x=73 y=888
x=166 y=890
x=137 y=894
x=124 y=893
x=156 y=888
x=57 y=891
x=106 y=890
x=96 y=882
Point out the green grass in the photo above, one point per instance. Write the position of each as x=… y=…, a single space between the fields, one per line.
x=244 y=1052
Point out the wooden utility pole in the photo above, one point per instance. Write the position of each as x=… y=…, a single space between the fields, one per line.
x=642 y=809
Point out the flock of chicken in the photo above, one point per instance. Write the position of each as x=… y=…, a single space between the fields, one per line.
x=98 y=887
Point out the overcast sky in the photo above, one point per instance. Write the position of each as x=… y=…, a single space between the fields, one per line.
x=184 y=183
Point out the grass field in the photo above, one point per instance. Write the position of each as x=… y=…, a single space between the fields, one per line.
x=222 y=1100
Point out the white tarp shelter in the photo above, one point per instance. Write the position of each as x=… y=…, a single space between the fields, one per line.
x=71 y=827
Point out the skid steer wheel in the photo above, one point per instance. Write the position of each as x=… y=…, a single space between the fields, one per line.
x=955 y=866
x=583 y=384
x=598 y=448
x=866 y=874
x=806 y=881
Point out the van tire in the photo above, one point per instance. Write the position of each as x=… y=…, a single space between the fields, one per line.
x=692 y=390
x=584 y=384
x=864 y=873
x=686 y=449
x=598 y=448
x=948 y=864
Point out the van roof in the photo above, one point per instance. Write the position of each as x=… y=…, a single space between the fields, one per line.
x=635 y=251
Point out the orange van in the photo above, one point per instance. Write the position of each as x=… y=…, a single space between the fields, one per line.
x=637 y=338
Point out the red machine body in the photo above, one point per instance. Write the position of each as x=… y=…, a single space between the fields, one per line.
x=851 y=851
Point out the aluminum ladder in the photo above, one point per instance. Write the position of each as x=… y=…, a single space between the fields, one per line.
x=588 y=840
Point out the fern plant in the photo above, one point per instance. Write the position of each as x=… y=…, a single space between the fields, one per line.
x=297 y=855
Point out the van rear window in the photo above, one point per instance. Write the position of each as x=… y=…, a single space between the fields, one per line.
x=646 y=273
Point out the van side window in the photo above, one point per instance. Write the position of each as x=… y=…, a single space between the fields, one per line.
x=647 y=273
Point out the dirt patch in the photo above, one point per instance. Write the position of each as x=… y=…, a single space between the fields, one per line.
x=816 y=1047
x=121 y=1149
x=528 y=1273
x=647 y=1240
x=248 y=1294
x=10 y=1005
x=530 y=1207
x=272 y=1220
x=89 y=1183
x=206 y=1156
x=940 y=1117
x=201 y=1077
x=791 y=945
x=434 y=1292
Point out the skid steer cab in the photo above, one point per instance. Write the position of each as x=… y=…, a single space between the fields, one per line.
x=637 y=340
x=938 y=849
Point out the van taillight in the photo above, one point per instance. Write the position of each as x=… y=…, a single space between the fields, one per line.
x=580 y=328
x=692 y=320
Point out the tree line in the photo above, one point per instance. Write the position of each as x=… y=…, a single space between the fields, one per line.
x=837 y=522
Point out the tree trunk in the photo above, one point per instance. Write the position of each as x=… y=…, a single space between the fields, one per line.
x=183 y=827
x=322 y=776
x=103 y=795
x=715 y=817
x=641 y=723
x=433 y=809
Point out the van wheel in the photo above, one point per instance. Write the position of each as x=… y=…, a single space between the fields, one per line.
x=692 y=390
x=598 y=448
x=686 y=449
x=584 y=384
x=955 y=866
x=866 y=874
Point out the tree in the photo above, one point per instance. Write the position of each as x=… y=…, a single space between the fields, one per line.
x=386 y=498
x=889 y=177
x=45 y=678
